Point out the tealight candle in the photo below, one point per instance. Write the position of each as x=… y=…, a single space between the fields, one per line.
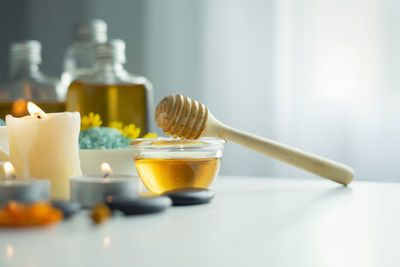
x=22 y=189
x=93 y=189
x=46 y=146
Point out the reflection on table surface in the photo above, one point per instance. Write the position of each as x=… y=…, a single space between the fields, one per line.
x=251 y=222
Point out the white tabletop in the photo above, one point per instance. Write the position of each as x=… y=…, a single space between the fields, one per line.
x=251 y=222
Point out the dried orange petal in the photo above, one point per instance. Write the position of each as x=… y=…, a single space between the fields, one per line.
x=16 y=214
x=100 y=213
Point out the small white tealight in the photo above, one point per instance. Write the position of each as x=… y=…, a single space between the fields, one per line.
x=90 y=190
x=22 y=189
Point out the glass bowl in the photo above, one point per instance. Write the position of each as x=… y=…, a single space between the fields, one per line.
x=166 y=164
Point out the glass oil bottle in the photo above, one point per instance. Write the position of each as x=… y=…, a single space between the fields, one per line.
x=80 y=55
x=112 y=92
x=27 y=83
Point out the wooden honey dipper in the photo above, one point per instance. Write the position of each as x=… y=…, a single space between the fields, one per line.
x=186 y=118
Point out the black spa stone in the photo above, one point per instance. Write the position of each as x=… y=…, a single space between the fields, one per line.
x=67 y=208
x=136 y=206
x=190 y=196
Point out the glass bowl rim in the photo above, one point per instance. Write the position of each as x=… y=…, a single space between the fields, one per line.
x=176 y=143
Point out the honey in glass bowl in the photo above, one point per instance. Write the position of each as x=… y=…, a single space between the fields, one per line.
x=166 y=164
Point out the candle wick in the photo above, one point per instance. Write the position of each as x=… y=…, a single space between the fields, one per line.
x=106 y=175
x=38 y=116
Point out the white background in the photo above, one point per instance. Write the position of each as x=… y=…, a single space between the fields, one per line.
x=321 y=75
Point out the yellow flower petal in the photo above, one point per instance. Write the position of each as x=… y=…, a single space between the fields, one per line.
x=117 y=125
x=91 y=120
x=150 y=135
x=131 y=131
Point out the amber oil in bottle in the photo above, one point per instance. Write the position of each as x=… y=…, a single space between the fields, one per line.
x=120 y=102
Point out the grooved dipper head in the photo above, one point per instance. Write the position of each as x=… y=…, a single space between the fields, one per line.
x=181 y=117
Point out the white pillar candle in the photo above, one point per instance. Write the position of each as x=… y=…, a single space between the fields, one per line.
x=3 y=149
x=46 y=147
x=3 y=144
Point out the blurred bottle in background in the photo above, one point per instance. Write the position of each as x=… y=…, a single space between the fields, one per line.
x=80 y=55
x=27 y=83
x=111 y=91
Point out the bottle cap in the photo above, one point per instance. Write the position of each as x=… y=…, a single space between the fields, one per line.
x=112 y=50
x=92 y=30
x=29 y=51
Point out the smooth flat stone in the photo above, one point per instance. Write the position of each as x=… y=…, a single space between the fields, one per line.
x=136 y=206
x=66 y=207
x=190 y=196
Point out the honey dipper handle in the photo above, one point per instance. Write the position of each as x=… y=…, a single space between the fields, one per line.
x=312 y=163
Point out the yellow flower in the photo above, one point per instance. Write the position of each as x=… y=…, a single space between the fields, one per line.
x=150 y=135
x=131 y=131
x=91 y=120
x=117 y=125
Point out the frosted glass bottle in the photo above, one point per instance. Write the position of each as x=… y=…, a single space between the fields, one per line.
x=111 y=91
x=27 y=83
x=80 y=56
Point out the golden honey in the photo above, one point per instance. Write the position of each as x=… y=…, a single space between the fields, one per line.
x=126 y=103
x=160 y=175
